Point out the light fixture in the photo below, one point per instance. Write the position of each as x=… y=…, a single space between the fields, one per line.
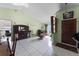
x=21 y=4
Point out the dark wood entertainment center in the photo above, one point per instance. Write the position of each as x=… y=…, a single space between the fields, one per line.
x=21 y=30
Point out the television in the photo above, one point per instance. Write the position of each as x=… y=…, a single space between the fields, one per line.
x=68 y=15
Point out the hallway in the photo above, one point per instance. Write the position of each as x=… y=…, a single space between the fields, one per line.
x=34 y=47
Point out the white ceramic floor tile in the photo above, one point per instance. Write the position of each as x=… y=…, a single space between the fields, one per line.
x=33 y=47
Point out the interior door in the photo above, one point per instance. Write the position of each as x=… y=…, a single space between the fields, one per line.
x=68 y=29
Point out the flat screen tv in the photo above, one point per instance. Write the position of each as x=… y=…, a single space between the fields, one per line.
x=68 y=15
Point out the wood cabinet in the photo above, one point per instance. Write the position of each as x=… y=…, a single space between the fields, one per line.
x=21 y=30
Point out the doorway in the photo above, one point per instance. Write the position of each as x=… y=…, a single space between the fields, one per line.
x=68 y=29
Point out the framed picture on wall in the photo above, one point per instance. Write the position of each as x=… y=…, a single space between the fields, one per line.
x=68 y=15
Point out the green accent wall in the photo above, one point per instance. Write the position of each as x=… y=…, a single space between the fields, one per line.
x=59 y=16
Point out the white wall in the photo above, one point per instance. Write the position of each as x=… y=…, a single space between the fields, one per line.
x=19 y=17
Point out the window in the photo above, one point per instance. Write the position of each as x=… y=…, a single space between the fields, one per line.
x=53 y=24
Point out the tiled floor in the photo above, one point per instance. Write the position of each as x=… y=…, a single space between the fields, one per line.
x=34 y=47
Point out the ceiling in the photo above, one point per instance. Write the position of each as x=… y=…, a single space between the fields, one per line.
x=39 y=11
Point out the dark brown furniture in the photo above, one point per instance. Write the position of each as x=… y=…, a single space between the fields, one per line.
x=68 y=30
x=22 y=31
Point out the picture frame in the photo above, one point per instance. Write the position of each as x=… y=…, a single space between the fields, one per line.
x=68 y=15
